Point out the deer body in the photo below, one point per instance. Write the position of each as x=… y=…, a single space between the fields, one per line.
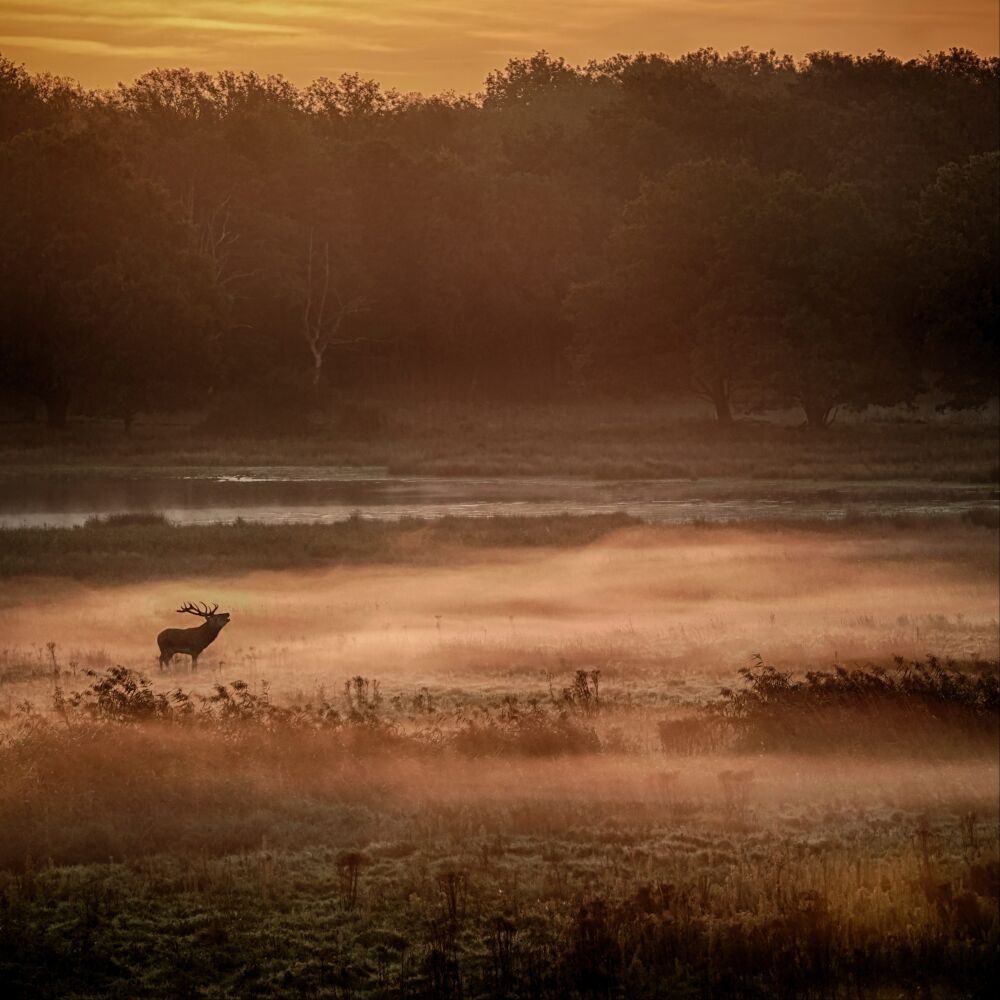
x=192 y=641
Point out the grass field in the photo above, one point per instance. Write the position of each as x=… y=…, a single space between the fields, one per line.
x=595 y=440
x=502 y=758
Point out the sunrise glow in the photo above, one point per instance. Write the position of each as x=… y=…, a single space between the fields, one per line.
x=434 y=45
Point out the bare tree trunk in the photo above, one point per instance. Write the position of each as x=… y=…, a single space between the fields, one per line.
x=320 y=327
x=716 y=392
x=719 y=392
x=818 y=415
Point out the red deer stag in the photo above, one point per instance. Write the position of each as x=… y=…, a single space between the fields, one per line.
x=192 y=641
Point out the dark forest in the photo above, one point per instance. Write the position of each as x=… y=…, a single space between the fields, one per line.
x=755 y=231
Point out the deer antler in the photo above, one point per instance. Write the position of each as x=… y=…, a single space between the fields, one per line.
x=194 y=609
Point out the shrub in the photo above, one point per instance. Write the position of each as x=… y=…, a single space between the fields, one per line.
x=532 y=730
x=121 y=695
x=918 y=706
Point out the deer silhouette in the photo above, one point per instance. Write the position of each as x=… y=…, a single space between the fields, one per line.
x=192 y=641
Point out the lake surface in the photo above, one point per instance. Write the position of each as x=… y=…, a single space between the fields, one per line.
x=275 y=495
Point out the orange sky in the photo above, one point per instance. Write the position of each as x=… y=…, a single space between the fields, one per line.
x=433 y=45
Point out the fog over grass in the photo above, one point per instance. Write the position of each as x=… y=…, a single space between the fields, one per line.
x=650 y=606
x=508 y=756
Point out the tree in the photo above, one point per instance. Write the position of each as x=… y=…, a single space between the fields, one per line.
x=151 y=313
x=524 y=81
x=956 y=262
x=822 y=300
x=723 y=281
x=96 y=272
x=671 y=306
x=733 y=225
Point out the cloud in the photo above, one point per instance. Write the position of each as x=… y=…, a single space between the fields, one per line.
x=93 y=47
x=214 y=24
x=453 y=44
x=494 y=35
x=320 y=43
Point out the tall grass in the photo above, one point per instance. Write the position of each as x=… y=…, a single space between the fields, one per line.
x=227 y=750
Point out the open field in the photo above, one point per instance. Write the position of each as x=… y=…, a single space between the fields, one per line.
x=481 y=602
x=491 y=759
x=595 y=440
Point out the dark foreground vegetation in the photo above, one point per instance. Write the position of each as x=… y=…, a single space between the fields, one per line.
x=158 y=844
x=745 y=229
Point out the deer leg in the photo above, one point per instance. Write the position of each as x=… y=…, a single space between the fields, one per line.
x=194 y=661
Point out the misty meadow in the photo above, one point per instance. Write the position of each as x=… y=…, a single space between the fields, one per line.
x=536 y=543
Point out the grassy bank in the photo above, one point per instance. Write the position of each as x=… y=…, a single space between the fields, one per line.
x=141 y=547
x=132 y=547
x=595 y=441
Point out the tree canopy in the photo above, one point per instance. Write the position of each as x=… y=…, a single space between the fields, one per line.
x=754 y=230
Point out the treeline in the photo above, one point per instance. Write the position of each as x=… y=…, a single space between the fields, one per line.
x=745 y=228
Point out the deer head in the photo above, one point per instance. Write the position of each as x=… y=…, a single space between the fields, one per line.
x=212 y=615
